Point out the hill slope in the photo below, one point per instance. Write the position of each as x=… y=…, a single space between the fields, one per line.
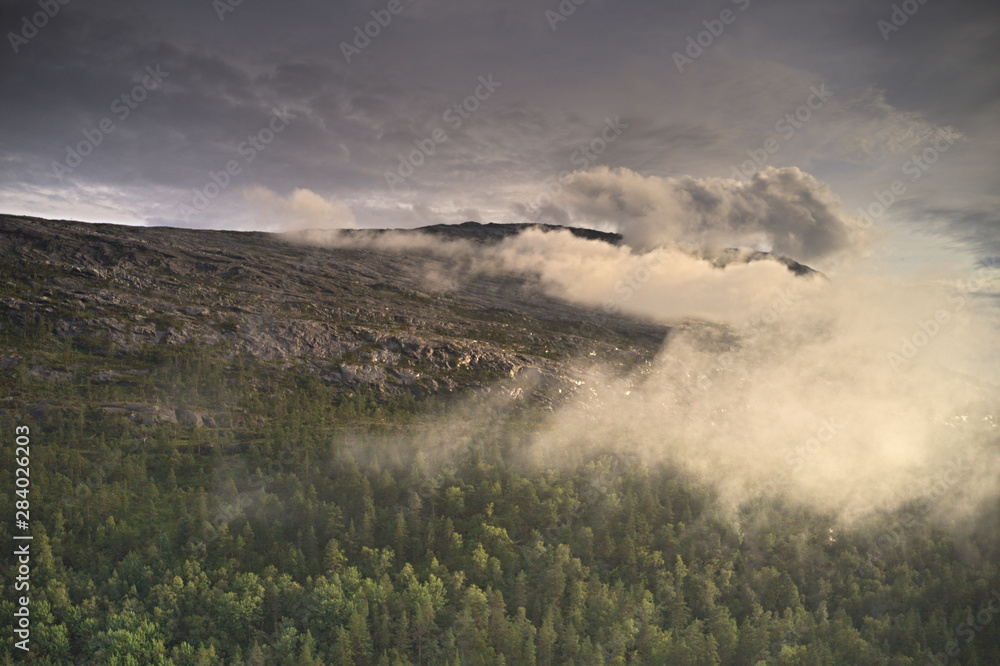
x=352 y=317
x=245 y=451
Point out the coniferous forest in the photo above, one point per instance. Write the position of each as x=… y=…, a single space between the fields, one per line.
x=517 y=333
x=316 y=532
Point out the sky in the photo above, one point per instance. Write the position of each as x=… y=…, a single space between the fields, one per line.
x=249 y=115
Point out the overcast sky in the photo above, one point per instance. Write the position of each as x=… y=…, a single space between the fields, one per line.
x=122 y=112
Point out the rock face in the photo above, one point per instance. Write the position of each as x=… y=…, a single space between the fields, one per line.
x=494 y=233
x=352 y=318
x=144 y=414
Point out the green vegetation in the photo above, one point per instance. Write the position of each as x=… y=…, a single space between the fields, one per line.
x=317 y=523
x=327 y=531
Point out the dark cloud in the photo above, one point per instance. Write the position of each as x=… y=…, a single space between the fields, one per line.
x=784 y=210
x=352 y=122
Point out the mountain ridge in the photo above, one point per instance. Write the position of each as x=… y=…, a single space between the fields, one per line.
x=355 y=319
x=118 y=299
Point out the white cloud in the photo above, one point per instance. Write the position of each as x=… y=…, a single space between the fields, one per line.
x=302 y=209
x=848 y=395
x=874 y=128
x=784 y=210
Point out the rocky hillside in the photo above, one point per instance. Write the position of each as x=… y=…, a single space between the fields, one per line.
x=105 y=305
x=118 y=298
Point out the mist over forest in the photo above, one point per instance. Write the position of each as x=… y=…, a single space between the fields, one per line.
x=454 y=445
x=572 y=332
